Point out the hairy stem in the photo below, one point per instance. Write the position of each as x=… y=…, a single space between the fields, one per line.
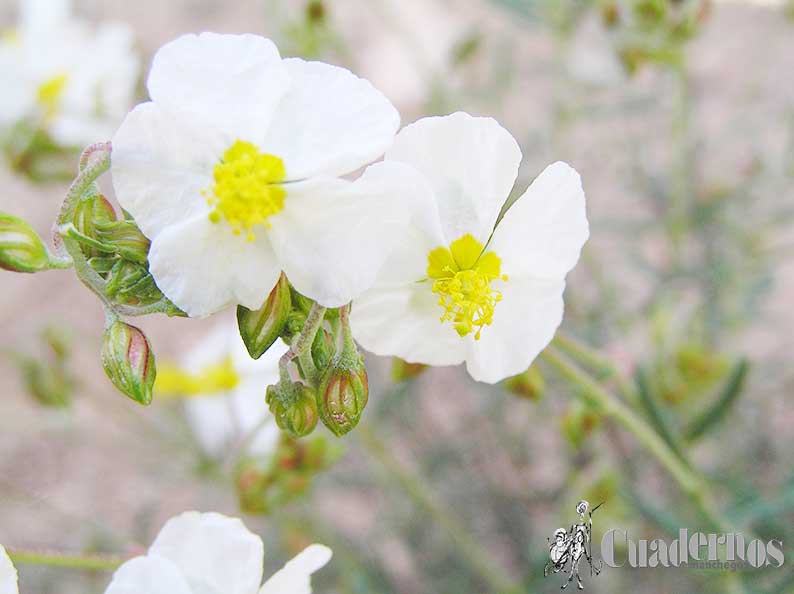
x=302 y=345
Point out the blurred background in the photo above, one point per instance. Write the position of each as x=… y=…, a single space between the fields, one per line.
x=679 y=117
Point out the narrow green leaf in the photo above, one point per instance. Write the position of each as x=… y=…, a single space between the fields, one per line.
x=715 y=413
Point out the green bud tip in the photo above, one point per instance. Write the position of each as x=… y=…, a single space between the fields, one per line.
x=128 y=361
x=260 y=328
x=21 y=249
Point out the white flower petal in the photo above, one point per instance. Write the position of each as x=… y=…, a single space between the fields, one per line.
x=542 y=233
x=40 y=17
x=160 y=166
x=406 y=322
x=203 y=267
x=333 y=236
x=231 y=81
x=295 y=576
x=471 y=164
x=330 y=122
x=524 y=322
x=148 y=575
x=215 y=554
x=8 y=574
x=217 y=419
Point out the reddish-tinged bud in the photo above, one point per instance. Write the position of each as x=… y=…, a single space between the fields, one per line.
x=529 y=385
x=294 y=406
x=343 y=393
x=128 y=361
x=259 y=329
x=21 y=249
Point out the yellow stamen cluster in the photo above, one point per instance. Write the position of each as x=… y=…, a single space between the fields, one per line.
x=212 y=379
x=50 y=95
x=462 y=277
x=245 y=191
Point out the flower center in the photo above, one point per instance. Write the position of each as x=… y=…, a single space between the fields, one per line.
x=245 y=191
x=212 y=379
x=462 y=275
x=50 y=95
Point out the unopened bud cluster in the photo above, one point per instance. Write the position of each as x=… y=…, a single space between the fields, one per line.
x=267 y=482
x=118 y=251
x=652 y=31
x=332 y=384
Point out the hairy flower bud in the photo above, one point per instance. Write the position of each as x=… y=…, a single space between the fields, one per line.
x=343 y=393
x=128 y=361
x=529 y=385
x=125 y=238
x=21 y=249
x=259 y=329
x=130 y=283
x=294 y=406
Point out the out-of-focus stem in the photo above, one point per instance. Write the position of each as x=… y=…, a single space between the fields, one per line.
x=604 y=367
x=681 y=191
x=416 y=489
x=92 y=562
x=691 y=483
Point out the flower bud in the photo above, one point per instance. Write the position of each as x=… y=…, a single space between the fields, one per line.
x=403 y=370
x=343 y=393
x=294 y=406
x=259 y=329
x=323 y=349
x=578 y=423
x=128 y=361
x=130 y=283
x=21 y=249
x=529 y=385
x=125 y=238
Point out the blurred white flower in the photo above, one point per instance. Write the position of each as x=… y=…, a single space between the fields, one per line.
x=210 y=553
x=73 y=80
x=224 y=390
x=8 y=574
x=459 y=289
x=231 y=170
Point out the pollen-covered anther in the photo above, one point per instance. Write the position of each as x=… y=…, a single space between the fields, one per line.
x=246 y=190
x=462 y=277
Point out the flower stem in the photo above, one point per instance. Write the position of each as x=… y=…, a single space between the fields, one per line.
x=416 y=489
x=301 y=346
x=607 y=403
x=90 y=562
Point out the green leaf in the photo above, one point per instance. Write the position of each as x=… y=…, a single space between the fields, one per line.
x=711 y=417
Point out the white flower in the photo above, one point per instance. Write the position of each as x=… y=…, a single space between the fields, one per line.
x=75 y=81
x=209 y=553
x=224 y=390
x=231 y=170
x=8 y=574
x=458 y=288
